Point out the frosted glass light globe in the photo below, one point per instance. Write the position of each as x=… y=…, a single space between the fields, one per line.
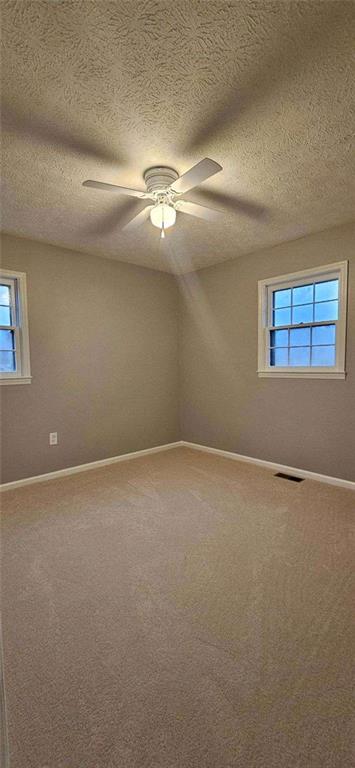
x=163 y=215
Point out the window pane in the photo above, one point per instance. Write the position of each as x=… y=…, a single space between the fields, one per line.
x=7 y=340
x=326 y=311
x=282 y=316
x=299 y=355
x=300 y=337
x=5 y=316
x=279 y=338
x=4 y=294
x=282 y=298
x=323 y=334
x=279 y=356
x=327 y=290
x=303 y=294
x=302 y=314
x=7 y=362
x=323 y=355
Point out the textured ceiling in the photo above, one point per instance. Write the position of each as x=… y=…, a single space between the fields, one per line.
x=104 y=90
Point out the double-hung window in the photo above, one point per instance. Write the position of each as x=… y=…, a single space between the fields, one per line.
x=14 y=342
x=302 y=323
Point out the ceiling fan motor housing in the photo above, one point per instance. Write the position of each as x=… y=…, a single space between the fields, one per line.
x=159 y=179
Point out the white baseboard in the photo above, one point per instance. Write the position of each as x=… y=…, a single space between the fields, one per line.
x=307 y=474
x=85 y=467
x=271 y=465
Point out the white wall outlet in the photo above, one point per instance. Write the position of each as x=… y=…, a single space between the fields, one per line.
x=53 y=438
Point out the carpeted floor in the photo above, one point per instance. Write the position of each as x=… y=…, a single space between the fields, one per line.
x=178 y=611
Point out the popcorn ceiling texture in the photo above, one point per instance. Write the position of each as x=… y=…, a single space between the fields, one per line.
x=106 y=89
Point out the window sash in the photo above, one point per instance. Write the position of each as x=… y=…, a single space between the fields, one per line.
x=300 y=282
x=311 y=324
x=16 y=281
x=312 y=276
x=11 y=283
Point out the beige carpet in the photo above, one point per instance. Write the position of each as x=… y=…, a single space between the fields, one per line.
x=178 y=611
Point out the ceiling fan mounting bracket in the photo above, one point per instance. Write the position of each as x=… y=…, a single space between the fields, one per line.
x=159 y=178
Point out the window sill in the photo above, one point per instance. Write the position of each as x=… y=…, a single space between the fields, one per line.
x=301 y=375
x=16 y=380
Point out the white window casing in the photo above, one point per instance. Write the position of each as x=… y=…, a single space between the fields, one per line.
x=16 y=281
x=337 y=271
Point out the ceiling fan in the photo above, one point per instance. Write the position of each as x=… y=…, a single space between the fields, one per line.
x=164 y=187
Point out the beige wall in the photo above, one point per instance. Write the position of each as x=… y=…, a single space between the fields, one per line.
x=306 y=424
x=103 y=338
x=105 y=363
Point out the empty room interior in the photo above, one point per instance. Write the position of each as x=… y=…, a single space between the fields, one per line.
x=177 y=381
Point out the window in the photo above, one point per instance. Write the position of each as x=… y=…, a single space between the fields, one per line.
x=14 y=343
x=302 y=324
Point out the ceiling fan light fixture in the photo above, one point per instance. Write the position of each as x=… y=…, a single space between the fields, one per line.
x=163 y=189
x=163 y=216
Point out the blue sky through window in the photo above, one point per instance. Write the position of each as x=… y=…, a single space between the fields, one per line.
x=305 y=346
x=7 y=362
x=313 y=302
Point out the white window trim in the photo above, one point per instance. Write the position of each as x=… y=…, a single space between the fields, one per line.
x=23 y=374
x=337 y=270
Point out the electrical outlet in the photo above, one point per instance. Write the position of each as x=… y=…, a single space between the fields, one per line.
x=53 y=438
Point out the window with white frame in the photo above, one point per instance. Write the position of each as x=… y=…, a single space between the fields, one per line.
x=14 y=341
x=302 y=323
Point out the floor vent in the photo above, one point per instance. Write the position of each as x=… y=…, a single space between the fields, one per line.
x=289 y=477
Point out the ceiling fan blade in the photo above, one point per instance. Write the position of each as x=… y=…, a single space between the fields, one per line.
x=198 y=173
x=114 y=188
x=198 y=210
x=139 y=219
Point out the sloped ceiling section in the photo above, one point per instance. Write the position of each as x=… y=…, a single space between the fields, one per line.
x=104 y=90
